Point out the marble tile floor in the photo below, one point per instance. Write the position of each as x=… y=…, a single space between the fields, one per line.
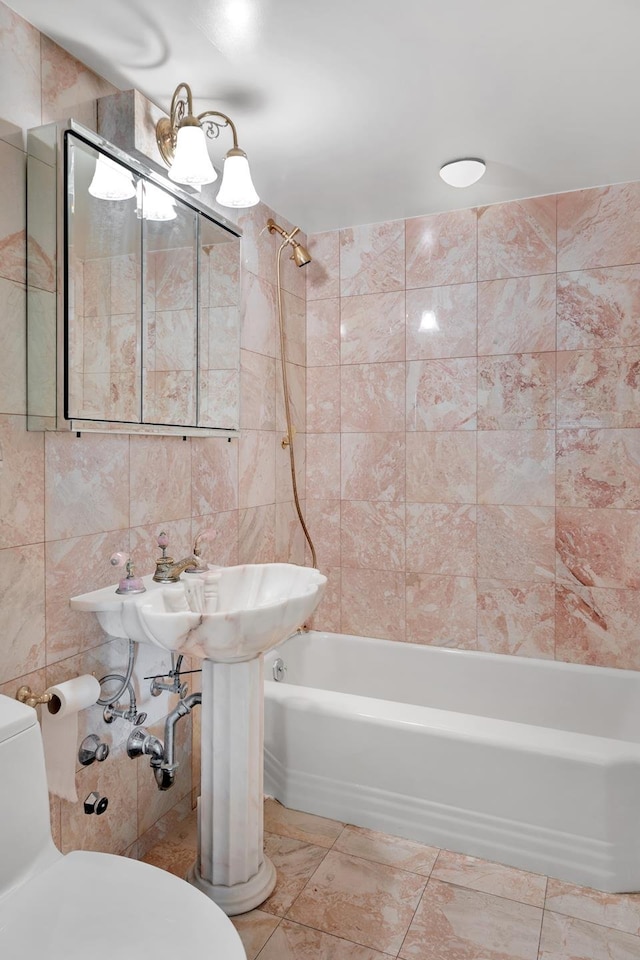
x=346 y=893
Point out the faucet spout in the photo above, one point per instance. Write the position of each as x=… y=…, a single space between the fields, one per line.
x=169 y=570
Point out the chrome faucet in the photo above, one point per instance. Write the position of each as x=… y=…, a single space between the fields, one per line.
x=168 y=570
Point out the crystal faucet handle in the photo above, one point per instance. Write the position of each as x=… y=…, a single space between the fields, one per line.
x=118 y=559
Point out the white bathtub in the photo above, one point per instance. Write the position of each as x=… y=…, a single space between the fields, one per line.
x=531 y=763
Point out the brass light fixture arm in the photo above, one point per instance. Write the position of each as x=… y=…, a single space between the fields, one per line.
x=180 y=115
x=213 y=128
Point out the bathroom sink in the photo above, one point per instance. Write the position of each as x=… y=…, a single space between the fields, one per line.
x=256 y=607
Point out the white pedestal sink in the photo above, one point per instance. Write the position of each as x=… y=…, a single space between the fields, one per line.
x=258 y=606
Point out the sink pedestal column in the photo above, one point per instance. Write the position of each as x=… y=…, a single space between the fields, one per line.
x=231 y=867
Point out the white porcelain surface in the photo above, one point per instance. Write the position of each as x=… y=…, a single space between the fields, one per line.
x=531 y=763
x=259 y=605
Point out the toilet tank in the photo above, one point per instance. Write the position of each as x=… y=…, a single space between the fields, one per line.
x=26 y=846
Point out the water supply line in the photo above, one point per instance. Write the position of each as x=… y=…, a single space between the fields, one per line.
x=301 y=257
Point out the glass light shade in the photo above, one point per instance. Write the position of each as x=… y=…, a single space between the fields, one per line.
x=158 y=205
x=237 y=189
x=463 y=173
x=191 y=163
x=111 y=181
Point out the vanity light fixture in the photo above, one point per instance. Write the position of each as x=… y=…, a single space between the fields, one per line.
x=111 y=181
x=182 y=144
x=463 y=173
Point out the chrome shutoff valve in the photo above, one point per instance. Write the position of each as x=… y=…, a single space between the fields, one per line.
x=94 y=803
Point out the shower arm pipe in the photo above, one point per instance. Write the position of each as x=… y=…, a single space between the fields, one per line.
x=287 y=405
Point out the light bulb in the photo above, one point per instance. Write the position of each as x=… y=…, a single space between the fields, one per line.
x=158 y=205
x=237 y=189
x=191 y=163
x=111 y=181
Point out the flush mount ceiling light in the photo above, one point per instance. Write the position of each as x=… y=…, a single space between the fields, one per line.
x=182 y=144
x=462 y=173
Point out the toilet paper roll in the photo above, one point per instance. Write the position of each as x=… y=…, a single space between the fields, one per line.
x=60 y=732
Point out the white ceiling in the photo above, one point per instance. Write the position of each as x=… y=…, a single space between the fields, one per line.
x=347 y=108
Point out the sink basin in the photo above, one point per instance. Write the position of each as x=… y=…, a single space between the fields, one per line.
x=258 y=606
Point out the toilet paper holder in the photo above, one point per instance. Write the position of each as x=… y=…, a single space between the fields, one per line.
x=25 y=695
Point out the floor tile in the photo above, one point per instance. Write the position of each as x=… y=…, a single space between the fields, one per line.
x=618 y=910
x=291 y=941
x=254 y=928
x=453 y=923
x=490 y=877
x=295 y=861
x=565 y=938
x=358 y=900
x=300 y=826
x=174 y=855
x=394 y=851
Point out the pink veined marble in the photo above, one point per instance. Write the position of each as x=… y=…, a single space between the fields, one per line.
x=373 y=466
x=598 y=468
x=159 y=457
x=516 y=467
x=323 y=332
x=372 y=258
x=517 y=238
x=598 y=548
x=441 y=249
x=373 y=535
x=599 y=227
x=599 y=388
x=372 y=328
x=516 y=617
x=323 y=273
x=441 y=467
x=599 y=308
x=516 y=392
x=323 y=465
x=323 y=399
x=256 y=469
x=516 y=543
x=441 y=539
x=441 y=611
x=442 y=322
x=517 y=315
x=597 y=626
x=373 y=603
x=372 y=397
x=442 y=394
x=323 y=518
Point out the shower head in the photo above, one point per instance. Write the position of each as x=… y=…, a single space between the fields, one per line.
x=300 y=255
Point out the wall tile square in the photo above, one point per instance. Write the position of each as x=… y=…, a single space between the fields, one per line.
x=517 y=618
x=516 y=467
x=442 y=394
x=598 y=548
x=516 y=543
x=441 y=249
x=372 y=535
x=441 y=467
x=441 y=539
x=599 y=227
x=323 y=273
x=372 y=258
x=442 y=322
x=599 y=308
x=517 y=315
x=516 y=392
x=373 y=466
x=598 y=468
x=599 y=388
x=441 y=611
x=372 y=397
x=323 y=332
x=372 y=328
x=373 y=604
x=517 y=239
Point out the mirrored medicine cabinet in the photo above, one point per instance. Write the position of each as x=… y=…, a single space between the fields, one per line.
x=133 y=295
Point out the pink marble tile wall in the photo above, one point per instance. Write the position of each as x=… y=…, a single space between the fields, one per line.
x=67 y=503
x=473 y=408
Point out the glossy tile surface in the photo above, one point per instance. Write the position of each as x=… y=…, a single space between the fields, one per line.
x=349 y=893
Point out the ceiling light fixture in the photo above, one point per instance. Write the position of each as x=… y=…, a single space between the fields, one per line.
x=182 y=144
x=463 y=173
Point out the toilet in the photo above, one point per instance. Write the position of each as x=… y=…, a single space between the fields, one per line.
x=85 y=904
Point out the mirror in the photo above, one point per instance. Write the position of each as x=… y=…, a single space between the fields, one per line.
x=150 y=291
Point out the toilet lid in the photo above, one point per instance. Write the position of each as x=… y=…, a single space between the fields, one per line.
x=98 y=906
